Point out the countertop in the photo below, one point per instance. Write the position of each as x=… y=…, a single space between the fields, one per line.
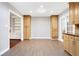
x=72 y=34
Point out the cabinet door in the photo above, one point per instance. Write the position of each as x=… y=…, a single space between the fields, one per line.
x=71 y=12
x=77 y=46
x=77 y=13
x=71 y=45
x=66 y=42
x=74 y=12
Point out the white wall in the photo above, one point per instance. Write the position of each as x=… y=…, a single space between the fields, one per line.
x=63 y=19
x=4 y=16
x=4 y=26
x=40 y=27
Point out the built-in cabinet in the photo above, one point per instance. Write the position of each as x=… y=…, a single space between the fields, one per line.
x=15 y=27
x=71 y=44
x=77 y=45
x=66 y=42
x=27 y=27
x=74 y=12
x=54 y=26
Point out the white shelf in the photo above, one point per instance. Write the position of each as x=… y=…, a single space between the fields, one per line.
x=16 y=24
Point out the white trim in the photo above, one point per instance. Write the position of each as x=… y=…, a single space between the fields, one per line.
x=73 y=29
x=61 y=40
x=10 y=11
x=14 y=13
x=4 y=51
x=15 y=38
x=22 y=29
x=40 y=38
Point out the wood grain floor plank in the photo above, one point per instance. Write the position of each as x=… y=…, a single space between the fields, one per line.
x=38 y=47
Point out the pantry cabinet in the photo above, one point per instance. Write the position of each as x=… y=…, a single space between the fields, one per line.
x=74 y=12
x=54 y=26
x=27 y=26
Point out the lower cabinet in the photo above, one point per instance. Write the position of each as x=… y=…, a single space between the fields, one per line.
x=71 y=44
x=77 y=46
x=66 y=42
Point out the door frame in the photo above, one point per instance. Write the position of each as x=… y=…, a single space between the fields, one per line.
x=11 y=11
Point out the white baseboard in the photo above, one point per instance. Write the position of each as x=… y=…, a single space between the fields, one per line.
x=60 y=40
x=4 y=51
x=40 y=38
x=15 y=38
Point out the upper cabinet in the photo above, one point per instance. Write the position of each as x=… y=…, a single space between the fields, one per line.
x=74 y=12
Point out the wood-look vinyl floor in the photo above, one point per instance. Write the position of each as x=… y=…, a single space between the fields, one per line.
x=37 y=47
x=13 y=42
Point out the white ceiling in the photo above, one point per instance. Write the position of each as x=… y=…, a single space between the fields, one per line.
x=40 y=8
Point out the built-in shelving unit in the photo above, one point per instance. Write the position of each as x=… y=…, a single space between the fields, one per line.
x=15 y=27
x=17 y=24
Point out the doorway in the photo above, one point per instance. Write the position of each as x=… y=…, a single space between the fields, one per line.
x=15 y=29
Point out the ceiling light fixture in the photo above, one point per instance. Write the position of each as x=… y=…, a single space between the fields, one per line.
x=41 y=9
x=41 y=6
x=51 y=11
x=30 y=11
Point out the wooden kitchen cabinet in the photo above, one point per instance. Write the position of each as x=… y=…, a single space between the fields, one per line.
x=54 y=26
x=66 y=42
x=71 y=44
x=74 y=12
x=71 y=12
x=77 y=46
x=77 y=13
x=27 y=27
